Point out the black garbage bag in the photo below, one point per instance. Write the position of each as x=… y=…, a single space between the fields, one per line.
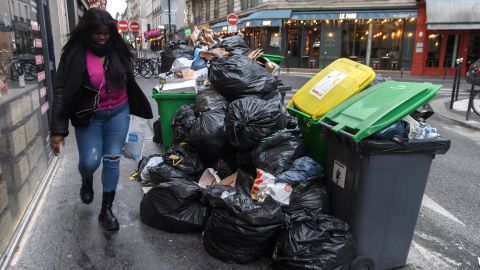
x=145 y=164
x=311 y=194
x=302 y=169
x=173 y=52
x=174 y=207
x=424 y=112
x=157 y=132
x=210 y=99
x=184 y=158
x=278 y=152
x=163 y=172
x=399 y=129
x=251 y=119
x=235 y=44
x=312 y=240
x=239 y=230
x=183 y=121
x=238 y=76
x=224 y=167
x=208 y=134
x=245 y=162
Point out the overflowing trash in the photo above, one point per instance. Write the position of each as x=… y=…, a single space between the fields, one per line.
x=238 y=168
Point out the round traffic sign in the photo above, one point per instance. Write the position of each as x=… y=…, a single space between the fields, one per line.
x=122 y=25
x=232 y=19
x=134 y=26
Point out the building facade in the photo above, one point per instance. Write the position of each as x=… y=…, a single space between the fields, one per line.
x=446 y=31
x=379 y=33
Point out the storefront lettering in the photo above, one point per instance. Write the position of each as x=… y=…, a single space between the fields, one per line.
x=344 y=16
x=41 y=76
x=37 y=43
x=266 y=23
x=45 y=107
x=43 y=92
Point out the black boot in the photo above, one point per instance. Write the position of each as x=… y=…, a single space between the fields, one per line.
x=106 y=217
x=86 y=191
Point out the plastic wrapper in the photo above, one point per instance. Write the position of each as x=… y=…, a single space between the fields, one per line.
x=277 y=153
x=249 y=120
x=303 y=169
x=312 y=240
x=265 y=186
x=424 y=112
x=238 y=76
x=399 y=129
x=183 y=121
x=174 y=207
x=208 y=134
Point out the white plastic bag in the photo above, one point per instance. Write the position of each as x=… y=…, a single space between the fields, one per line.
x=265 y=185
x=152 y=162
x=133 y=148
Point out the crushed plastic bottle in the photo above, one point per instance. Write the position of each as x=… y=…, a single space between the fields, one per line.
x=420 y=130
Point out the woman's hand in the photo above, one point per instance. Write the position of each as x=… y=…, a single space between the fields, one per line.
x=55 y=142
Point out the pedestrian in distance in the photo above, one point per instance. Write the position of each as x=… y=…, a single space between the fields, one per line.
x=96 y=91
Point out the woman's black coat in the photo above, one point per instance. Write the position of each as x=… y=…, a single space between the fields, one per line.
x=73 y=94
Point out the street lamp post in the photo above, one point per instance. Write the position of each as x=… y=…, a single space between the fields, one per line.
x=169 y=22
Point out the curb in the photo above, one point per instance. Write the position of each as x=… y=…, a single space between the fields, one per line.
x=443 y=102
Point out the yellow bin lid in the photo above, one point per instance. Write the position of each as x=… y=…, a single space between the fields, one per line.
x=331 y=86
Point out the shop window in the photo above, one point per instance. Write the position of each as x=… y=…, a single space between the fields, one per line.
x=354 y=40
x=434 y=44
x=473 y=49
x=452 y=50
x=24 y=94
x=293 y=40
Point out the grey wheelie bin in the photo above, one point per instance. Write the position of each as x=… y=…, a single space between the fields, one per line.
x=377 y=186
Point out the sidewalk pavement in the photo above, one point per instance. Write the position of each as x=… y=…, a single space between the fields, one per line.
x=458 y=113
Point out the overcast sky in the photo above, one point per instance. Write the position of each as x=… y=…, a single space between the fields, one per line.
x=114 y=6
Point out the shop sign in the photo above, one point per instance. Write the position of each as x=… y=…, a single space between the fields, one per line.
x=247 y=24
x=224 y=28
x=45 y=107
x=232 y=28
x=37 y=43
x=34 y=25
x=419 y=47
x=41 y=76
x=123 y=25
x=346 y=16
x=43 y=92
x=134 y=26
x=267 y=23
x=38 y=59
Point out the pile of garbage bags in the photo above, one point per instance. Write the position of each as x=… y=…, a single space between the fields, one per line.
x=238 y=170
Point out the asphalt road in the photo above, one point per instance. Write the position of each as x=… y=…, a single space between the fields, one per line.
x=64 y=234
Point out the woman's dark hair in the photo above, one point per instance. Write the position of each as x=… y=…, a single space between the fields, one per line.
x=92 y=20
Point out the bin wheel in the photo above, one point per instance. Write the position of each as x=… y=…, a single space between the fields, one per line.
x=362 y=263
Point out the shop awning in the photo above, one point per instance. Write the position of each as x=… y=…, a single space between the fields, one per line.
x=458 y=14
x=354 y=14
x=265 y=18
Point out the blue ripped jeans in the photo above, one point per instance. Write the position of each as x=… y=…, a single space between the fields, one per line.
x=103 y=140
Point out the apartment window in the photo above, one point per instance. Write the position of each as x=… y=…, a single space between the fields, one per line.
x=216 y=8
x=230 y=6
x=208 y=10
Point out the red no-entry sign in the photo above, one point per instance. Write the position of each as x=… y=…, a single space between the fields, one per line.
x=134 y=26
x=122 y=25
x=232 y=19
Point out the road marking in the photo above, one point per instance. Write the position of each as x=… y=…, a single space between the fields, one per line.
x=435 y=259
x=431 y=204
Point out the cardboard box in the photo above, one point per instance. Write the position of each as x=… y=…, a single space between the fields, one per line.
x=7 y=227
x=19 y=200
x=11 y=113
x=15 y=172
x=35 y=97
x=35 y=151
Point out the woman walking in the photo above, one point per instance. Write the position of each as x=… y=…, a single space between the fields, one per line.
x=95 y=90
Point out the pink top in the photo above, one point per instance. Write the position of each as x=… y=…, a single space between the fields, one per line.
x=96 y=72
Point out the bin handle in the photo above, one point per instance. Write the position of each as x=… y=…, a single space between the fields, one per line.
x=330 y=128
